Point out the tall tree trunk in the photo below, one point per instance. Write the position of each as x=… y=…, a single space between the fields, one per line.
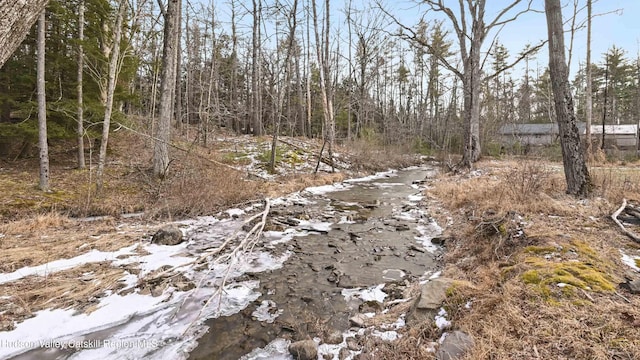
x=42 y=106
x=284 y=89
x=178 y=82
x=111 y=88
x=80 y=120
x=167 y=87
x=17 y=17
x=322 y=51
x=589 y=90
x=256 y=122
x=575 y=168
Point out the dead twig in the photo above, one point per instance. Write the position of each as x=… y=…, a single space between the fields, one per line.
x=624 y=230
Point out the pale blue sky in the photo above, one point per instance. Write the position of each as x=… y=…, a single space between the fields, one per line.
x=620 y=28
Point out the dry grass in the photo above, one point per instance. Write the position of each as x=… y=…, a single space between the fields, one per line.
x=518 y=310
x=79 y=288
x=46 y=238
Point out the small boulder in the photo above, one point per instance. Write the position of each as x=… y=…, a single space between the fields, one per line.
x=168 y=235
x=454 y=346
x=433 y=294
x=426 y=307
x=358 y=320
x=304 y=350
x=633 y=286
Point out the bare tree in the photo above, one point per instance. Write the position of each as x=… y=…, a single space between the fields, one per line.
x=17 y=18
x=42 y=106
x=114 y=63
x=162 y=136
x=322 y=53
x=80 y=119
x=589 y=90
x=471 y=30
x=285 y=68
x=575 y=168
x=256 y=90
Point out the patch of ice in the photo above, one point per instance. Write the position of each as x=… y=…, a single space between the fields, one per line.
x=386 y=335
x=380 y=175
x=468 y=304
x=267 y=311
x=278 y=349
x=281 y=237
x=324 y=189
x=561 y=284
x=441 y=320
x=235 y=212
x=442 y=337
x=373 y=293
x=415 y=198
x=159 y=256
x=427 y=233
x=630 y=261
x=92 y=256
x=315 y=225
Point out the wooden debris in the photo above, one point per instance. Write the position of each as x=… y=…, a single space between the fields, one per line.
x=617 y=213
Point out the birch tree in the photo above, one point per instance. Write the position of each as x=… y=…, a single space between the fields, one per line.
x=42 y=105
x=80 y=119
x=575 y=168
x=114 y=62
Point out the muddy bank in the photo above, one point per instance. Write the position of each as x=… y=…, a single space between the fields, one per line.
x=372 y=235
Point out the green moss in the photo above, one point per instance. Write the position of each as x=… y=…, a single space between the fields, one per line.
x=588 y=272
x=637 y=261
x=531 y=277
x=540 y=249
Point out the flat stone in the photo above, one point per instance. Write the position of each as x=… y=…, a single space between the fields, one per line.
x=433 y=294
x=454 y=346
x=168 y=235
x=359 y=320
x=344 y=354
x=304 y=350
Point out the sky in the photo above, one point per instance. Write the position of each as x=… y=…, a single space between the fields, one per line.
x=615 y=22
x=619 y=26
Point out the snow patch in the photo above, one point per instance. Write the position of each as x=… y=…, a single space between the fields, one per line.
x=373 y=293
x=92 y=256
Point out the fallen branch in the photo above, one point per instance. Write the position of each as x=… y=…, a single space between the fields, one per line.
x=246 y=245
x=614 y=217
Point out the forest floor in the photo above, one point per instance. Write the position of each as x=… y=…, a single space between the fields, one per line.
x=537 y=273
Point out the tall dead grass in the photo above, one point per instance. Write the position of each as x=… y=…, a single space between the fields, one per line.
x=511 y=318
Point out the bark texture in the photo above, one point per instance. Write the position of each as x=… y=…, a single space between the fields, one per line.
x=575 y=168
x=167 y=87
x=42 y=107
x=16 y=19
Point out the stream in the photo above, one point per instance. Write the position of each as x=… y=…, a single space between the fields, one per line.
x=326 y=254
x=366 y=234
